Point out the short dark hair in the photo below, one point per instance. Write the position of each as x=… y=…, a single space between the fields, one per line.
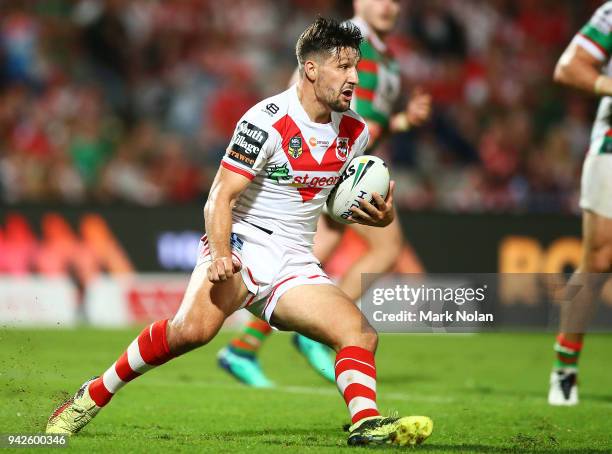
x=327 y=35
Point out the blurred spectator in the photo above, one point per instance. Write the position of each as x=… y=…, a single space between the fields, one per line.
x=135 y=100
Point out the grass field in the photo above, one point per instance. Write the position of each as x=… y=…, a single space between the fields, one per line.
x=485 y=393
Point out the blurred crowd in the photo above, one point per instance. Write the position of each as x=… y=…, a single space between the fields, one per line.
x=134 y=101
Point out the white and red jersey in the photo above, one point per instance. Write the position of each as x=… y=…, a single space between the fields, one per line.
x=293 y=164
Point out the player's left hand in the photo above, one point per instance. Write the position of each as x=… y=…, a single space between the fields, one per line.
x=418 y=109
x=379 y=215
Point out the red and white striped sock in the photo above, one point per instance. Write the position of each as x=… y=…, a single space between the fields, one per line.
x=356 y=379
x=148 y=350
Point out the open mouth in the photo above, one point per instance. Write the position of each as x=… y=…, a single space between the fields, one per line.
x=348 y=93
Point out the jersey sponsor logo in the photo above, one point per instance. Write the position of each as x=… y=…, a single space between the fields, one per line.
x=279 y=173
x=272 y=109
x=306 y=181
x=314 y=142
x=342 y=148
x=247 y=143
x=295 y=147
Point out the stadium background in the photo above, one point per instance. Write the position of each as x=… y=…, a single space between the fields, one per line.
x=113 y=118
x=114 y=115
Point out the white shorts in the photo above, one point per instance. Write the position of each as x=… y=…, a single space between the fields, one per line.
x=269 y=267
x=596 y=184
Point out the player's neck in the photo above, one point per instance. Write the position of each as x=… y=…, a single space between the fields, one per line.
x=316 y=110
x=378 y=37
x=376 y=34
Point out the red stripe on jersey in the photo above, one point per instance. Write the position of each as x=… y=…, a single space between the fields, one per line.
x=308 y=193
x=274 y=291
x=596 y=44
x=250 y=301
x=358 y=390
x=349 y=128
x=288 y=130
x=251 y=277
x=364 y=93
x=238 y=170
x=123 y=369
x=369 y=66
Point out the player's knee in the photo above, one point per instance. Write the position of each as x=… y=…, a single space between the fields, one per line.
x=365 y=337
x=189 y=335
x=369 y=339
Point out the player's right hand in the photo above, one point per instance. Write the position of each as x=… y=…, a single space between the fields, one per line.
x=223 y=268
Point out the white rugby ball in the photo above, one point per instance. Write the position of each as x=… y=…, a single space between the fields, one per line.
x=363 y=176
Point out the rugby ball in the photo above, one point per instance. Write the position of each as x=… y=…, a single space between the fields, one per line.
x=363 y=176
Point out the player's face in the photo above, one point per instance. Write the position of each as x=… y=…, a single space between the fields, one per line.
x=381 y=15
x=337 y=79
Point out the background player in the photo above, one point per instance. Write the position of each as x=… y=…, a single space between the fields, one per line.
x=251 y=256
x=375 y=99
x=580 y=67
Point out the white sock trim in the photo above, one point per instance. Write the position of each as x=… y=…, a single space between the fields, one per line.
x=351 y=376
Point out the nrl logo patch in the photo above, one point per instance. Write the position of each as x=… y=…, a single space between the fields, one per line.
x=295 y=147
x=342 y=148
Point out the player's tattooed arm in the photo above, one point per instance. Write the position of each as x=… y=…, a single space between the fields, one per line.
x=225 y=190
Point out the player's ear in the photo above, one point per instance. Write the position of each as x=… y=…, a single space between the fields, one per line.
x=310 y=70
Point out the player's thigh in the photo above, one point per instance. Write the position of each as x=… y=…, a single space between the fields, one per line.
x=389 y=237
x=328 y=236
x=204 y=307
x=597 y=242
x=324 y=313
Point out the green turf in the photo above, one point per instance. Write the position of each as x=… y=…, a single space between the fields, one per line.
x=485 y=393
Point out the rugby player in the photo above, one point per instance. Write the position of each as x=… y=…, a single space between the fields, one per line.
x=374 y=99
x=585 y=65
x=260 y=223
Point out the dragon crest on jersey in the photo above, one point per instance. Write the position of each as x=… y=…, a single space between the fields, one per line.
x=342 y=148
x=278 y=173
x=247 y=143
x=295 y=147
